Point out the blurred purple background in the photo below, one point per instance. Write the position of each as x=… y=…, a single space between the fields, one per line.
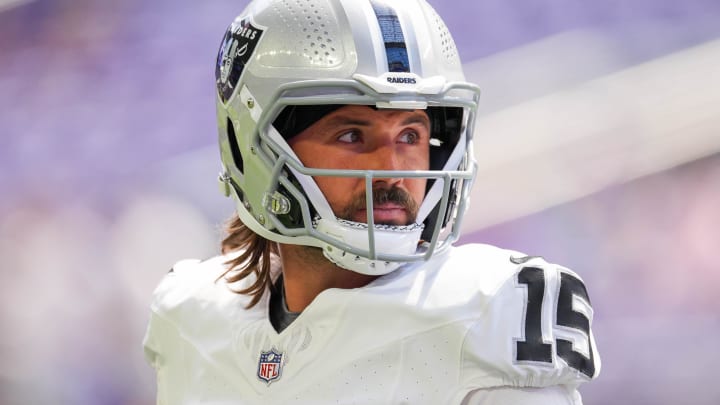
x=108 y=164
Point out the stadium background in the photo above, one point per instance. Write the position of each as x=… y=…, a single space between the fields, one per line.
x=598 y=144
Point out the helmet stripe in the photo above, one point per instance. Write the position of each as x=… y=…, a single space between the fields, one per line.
x=393 y=37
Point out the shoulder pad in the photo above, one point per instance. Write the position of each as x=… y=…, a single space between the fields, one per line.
x=189 y=281
x=535 y=330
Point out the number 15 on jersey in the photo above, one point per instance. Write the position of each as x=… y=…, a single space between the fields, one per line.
x=572 y=315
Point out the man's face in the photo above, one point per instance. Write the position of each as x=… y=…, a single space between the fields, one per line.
x=362 y=138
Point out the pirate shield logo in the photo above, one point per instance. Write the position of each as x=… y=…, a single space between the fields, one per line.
x=236 y=49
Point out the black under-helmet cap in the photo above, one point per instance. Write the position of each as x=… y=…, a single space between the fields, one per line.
x=296 y=118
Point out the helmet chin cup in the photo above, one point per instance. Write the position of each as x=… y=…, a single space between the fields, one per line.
x=359 y=264
x=371 y=251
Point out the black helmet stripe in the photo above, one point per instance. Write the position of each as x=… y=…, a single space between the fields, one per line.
x=392 y=32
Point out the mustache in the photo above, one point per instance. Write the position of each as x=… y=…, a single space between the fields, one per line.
x=383 y=195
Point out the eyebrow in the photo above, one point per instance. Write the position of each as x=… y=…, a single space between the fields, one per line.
x=418 y=119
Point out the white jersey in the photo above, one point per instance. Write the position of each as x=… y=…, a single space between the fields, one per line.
x=472 y=319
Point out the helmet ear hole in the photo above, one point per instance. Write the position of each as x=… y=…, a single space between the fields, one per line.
x=234 y=149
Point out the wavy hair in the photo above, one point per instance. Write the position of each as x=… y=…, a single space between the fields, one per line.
x=255 y=258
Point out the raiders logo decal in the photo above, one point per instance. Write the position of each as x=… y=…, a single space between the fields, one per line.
x=236 y=49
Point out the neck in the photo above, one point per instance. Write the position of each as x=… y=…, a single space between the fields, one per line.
x=307 y=273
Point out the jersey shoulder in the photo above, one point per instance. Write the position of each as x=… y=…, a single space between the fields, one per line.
x=192 y=284
x=469 y=273
x=195 y=301
x=534 y=325
x=194 y=305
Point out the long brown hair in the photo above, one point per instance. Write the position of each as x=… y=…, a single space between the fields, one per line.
x=255 y=259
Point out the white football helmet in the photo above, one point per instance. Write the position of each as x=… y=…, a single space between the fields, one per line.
x=394 y=54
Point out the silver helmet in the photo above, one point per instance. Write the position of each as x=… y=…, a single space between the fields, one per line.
x=389 y=54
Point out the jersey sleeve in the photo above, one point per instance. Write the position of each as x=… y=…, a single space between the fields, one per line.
x=164 y=344
x=161 y=331
x=163 y=351
x=555 y=395
x=535 y=332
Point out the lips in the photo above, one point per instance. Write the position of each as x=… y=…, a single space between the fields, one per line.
x=387 y=214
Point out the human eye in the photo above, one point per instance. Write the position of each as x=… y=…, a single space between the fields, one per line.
x=349 y=137
x=410 y=137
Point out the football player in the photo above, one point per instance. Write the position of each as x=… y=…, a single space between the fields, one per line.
x=346 y=131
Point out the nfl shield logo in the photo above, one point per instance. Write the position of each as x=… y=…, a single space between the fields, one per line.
x=270 y=365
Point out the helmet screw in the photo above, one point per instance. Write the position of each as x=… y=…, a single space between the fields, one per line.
x=251 y=103
x=252 y=150
x=261 y=219
x=247 y=206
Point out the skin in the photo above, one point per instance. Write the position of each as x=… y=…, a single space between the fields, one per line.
x=355 y=137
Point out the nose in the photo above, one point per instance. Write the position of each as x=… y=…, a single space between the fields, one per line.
x=385 y=157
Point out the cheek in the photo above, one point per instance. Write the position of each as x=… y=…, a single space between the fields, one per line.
x=304 y=152
x=416 y=188
x=338 y=191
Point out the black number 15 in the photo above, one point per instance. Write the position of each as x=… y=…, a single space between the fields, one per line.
x=533 y=348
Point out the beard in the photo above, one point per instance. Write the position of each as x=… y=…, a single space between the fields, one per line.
x=382 y=195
